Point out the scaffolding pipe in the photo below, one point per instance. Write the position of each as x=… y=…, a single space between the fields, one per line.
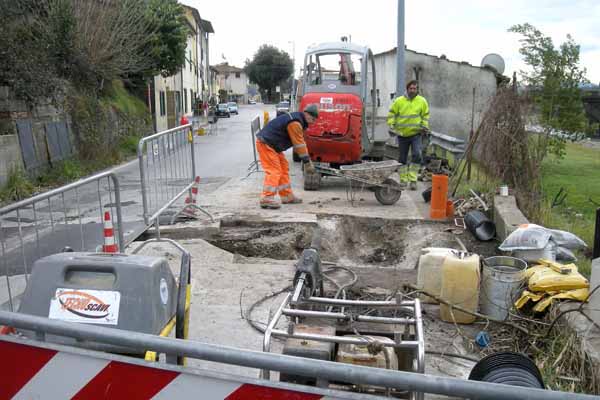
x=290 y=365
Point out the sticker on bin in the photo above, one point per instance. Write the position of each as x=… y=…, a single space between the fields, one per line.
x=87 y=306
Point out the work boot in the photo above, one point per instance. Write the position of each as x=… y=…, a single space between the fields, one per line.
x=269 y=204
x=413 y=185
x=291 y=199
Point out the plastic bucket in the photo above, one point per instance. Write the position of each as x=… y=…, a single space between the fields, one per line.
x=501 y=281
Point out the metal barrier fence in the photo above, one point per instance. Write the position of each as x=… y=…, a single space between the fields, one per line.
x=69 y=216
x=447 y=143
x=254 y=128
x=167 y=169
x=337 y=372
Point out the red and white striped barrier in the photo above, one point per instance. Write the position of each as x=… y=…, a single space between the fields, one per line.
x=31 y=372
x=192 y=199
x=110 y=244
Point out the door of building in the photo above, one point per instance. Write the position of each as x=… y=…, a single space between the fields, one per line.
x=171 y=112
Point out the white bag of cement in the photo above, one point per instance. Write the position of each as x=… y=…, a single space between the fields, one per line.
x=532 y=255
x=565 y=255
x=527 y=237
x=567 y=240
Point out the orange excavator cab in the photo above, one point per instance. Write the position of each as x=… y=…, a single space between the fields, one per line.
x=339 y=78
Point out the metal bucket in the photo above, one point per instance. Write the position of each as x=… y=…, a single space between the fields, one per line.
x=501 y=281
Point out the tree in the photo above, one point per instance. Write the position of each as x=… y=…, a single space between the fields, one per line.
x=269 y=68
x=554 y=82
x=87 y=43
x=168 y=42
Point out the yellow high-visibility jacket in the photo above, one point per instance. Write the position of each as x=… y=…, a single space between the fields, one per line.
x=408 y=117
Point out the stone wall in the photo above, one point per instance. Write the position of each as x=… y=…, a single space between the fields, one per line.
x=13 y=110
x=10 y=156
x=105 y=121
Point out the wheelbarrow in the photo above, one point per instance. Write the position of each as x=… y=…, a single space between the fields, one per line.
x=381 y=177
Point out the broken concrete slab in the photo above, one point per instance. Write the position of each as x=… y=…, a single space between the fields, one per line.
x=225 y=285
x=507 y=216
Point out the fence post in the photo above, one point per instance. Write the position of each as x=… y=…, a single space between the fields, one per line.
x=596 y=253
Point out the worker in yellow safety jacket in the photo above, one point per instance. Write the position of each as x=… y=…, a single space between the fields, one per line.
x=408 y=120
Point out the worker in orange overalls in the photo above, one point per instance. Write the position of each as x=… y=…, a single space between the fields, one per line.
x=277 y=136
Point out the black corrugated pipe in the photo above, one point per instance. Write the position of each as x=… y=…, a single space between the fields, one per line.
x=508 y=368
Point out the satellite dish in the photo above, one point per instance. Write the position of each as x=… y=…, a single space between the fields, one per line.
x=494 y=61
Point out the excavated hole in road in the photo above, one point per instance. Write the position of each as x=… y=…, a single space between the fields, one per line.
x=346 y=240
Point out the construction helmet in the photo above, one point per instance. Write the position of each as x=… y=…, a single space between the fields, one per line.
x=312 y=110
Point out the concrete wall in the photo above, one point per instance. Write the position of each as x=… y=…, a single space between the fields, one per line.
x=10 y=156
x=447 y=86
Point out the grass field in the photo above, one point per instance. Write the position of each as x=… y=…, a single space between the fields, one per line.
x=578 y=174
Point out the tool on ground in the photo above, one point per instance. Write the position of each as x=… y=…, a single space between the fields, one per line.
x=308 y=279
x=393 y=340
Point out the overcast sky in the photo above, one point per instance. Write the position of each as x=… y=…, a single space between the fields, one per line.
x=463 y=30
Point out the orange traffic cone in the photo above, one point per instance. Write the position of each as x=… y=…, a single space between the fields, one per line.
x=192 y=199
x=110 y=245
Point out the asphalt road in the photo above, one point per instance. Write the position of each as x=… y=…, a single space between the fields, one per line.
x=32 y=234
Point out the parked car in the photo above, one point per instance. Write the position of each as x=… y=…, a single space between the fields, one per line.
x=251 y=102
x=222 y=110
x=282 y=107
x=233 y=108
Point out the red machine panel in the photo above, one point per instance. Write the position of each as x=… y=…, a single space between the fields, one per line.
x=336 y=136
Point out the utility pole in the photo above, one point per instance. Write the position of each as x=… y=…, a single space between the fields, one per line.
x=400 y=51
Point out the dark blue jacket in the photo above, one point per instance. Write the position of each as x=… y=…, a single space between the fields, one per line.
x=275 y=133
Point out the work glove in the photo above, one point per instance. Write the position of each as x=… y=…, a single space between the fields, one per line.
x=309 y=168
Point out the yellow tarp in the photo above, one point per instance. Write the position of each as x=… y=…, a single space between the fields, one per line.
x=545 y=278
x=546 y=283
x=548 y=297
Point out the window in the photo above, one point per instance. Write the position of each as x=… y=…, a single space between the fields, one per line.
x=237 y=74
x=343 y=68
x=161 y=100
x=190 y=52
x=185 y=101
x=178 y=101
